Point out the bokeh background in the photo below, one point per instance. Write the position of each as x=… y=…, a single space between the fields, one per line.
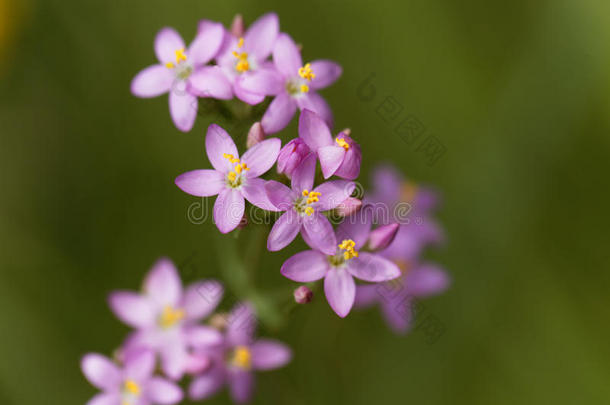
x=517 y=92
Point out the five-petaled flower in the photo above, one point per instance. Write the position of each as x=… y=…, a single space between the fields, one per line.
x=133 y=383
x=183 y=72
x=235 y=362
x=303 y=205
x=166 y=317
x=233 y=178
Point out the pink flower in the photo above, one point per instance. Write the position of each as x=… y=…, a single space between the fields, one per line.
x=244 y=60
x=298 y=85
x=232 y=178
x=183 y=72
x=339 y=268
x=291 y=156
x=341 y=156
x=131 y=384
x=303 y=205
x=235 y=362
x=166 y=317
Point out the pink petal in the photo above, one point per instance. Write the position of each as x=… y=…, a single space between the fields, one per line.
x=101 y=371
x=217 y=143
x=139 y=364
x=340 y=290
x=350 y=167
x=261 y=36
x=270 y=354
x=207 y=43
x=210 y=81
x=304 y=174
x=427 y=280
x=284 y=231
x=333 y=193
x=382 y=237
x=372 y=267
x=241 y=325
x=206 y=385
x=305 y=267
x=133 y=309
x=246 y=96
x=279 y=113
x=204 y=336
x=105 y=399
x=228 y=210
x=326 y=71
x=320 y=233
x=398 y=315
x=202 y=298
x=314 y=102
x=262 y=81
x=201 y=183
x=286 y=56
x=254 y=191
x=261 y=157
x=314 y=131
x=152 y=81
x=163 y=283
x=161 y=391
x=183 y=109
x=331 y=157
x=279 y=195
x=241 y=384
x=167 y=42
x=174 y=360
x=366 y=295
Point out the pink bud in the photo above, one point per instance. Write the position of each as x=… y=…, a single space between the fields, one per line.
x=237 y=26
x=291 y=155
x=255 y=134
x=303 y=295
x=348 y=207
x=381 y=237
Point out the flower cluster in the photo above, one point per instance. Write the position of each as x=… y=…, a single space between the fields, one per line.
x=371 y=256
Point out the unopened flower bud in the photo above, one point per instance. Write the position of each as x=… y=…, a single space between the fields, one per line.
x=381 y=237
x=303 y=295
x=237 y=26
x=219 y=321
x=348 y=207
x=255 y=134
x=347 y=131
x=291 y=155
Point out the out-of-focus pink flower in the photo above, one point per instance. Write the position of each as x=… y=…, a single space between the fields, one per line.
x=298 y=85
x=183 y=72
x=166 y=316
x=133 y=383
x=244 y=59
x=236 y=361
x=233 y=178
x=303 y=205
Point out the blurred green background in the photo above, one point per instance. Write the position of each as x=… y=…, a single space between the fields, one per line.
x=517 y=92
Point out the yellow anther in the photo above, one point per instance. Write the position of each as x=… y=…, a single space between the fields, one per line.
x=169 y=65
x=230 y=157
x=180 y=56
x=342 y=143
x=240 y=167
x=240 y=43
x=348 y=245
x=309 y=211
x=242 y=64
x=170 y=316
x=306 y=73
x=305 y=193
x=242 y=357
x=313 y=197
x=132 y=387
x=232 y=176
x=304 y=88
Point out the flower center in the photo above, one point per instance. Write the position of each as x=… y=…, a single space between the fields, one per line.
x=242 y=64
x=131 y=391
x=235 y=178
x=183 y=68
x=303 y=203
x=242 y=358
x=348 y=247
x=343 y=143
x=408 y=191
x=170 y=316
x=306 y=73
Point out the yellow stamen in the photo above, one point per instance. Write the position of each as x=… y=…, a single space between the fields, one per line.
x=242 y=64
x=242 y=166
x=342 y=143
x=170 y=316
x=232 y=176
x=132 y=387
x=309 y=211
x=180 y=56
x=348 y=245
x=169 y=65
x=304 y=88
x=240 y=43
x=242 y=357
x=231 y=158
x=306 y=73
